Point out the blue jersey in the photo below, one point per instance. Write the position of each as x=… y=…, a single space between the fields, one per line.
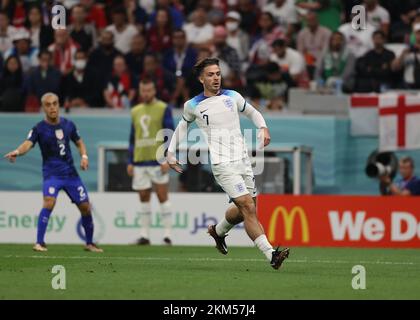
x=54 y=142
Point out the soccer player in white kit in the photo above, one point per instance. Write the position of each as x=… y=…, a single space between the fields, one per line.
x=216 y=112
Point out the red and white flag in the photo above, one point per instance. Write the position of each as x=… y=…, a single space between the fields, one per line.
x=399 y=122
x=364 y=115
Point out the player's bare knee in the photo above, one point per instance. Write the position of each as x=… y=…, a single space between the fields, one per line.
x=145 y=195
x=49 y=203
x=84 y=208
x=246 y=206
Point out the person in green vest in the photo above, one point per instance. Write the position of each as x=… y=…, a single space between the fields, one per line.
x=336 y=66
x=146 y=164
x=329 y=11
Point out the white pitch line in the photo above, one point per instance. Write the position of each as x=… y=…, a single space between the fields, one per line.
x=408 y=263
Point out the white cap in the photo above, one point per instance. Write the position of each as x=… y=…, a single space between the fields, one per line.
x=416 y=27
x=233 y=15
x=21 y=34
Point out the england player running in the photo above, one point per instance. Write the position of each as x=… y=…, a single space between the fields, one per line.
x=53 y=135
x=216 y=113
x=145 y=165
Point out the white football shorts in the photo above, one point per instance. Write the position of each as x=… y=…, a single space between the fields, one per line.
x=143 y=177
x=235 y=177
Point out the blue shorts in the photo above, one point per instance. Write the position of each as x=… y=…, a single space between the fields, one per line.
x=74 y=188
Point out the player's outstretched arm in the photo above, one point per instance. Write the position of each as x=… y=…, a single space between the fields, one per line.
x=84 y=161
x=19 y=151
x=179 y=134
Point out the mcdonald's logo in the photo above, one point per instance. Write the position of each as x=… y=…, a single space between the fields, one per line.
x=288 y=219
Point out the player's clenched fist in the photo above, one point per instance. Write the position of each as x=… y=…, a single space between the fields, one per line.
x=264 y=137
x=130 y=170
x=84 y=163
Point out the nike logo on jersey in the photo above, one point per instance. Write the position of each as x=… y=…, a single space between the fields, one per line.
x=203 y=111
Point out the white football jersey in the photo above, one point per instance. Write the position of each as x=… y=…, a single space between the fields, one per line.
x=218 y=118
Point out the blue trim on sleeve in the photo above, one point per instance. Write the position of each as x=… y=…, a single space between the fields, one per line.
x=131 y=146
x=168 y=121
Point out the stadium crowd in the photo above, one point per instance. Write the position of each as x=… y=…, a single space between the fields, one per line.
x=265 y=48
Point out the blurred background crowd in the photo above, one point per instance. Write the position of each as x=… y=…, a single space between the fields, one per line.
x=265 y=48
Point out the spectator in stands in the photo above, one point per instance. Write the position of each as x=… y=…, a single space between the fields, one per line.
x=359 y=41
x=285 y=13
x=409 y=61
x=81 y=32
x=160 y=32
x=175 y=14
x=268 y=32
x=22 y=48
x=135 y=57
x=11 y=86
x=95 y=14
x=78 y=86
x=6 y=33
x=329 y=11
x=46 y=10
x=41 y=35
x=63 y=50
x=122 y=31
x=215 y=14
x=273 y=87
x=225 y=52
x=312 y=41
x=136 y=14
x=101 y=58
x=407 y=185
x=237 y=38
x=289 y=60
x=377 y=15
x=374 y=70
x=120 y=90
x=249 y=14
x=336 y=66
x=44 y=78
x=16 y=11
x=199 y=32
x=163 y=79
x=400 y=30
x=180 y=61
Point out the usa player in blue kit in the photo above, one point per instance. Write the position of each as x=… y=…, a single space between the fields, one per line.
x=53 y=135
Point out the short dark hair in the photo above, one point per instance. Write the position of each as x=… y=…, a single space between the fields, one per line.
x=379 y=32
x=279 y=43
x=409 y=160
x=43 y=52
x=200 y=65
x=147 y=80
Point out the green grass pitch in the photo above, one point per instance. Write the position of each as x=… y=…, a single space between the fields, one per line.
x=157 y=272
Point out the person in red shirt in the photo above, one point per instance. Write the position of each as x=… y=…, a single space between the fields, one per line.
x=63 y=50
x=95 y=14
x=160 y=33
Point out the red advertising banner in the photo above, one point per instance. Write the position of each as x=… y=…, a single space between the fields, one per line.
x=341 y=221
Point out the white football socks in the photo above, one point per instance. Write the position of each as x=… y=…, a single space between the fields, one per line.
x=223 y=227
x=262 y=243
x=166 y=214
x=145 y=219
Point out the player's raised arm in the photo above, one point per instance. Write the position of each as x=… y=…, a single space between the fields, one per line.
x=256 y=117
x=19 y=151
x=179 y=134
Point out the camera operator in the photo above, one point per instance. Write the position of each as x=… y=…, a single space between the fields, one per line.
x=408 y=185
